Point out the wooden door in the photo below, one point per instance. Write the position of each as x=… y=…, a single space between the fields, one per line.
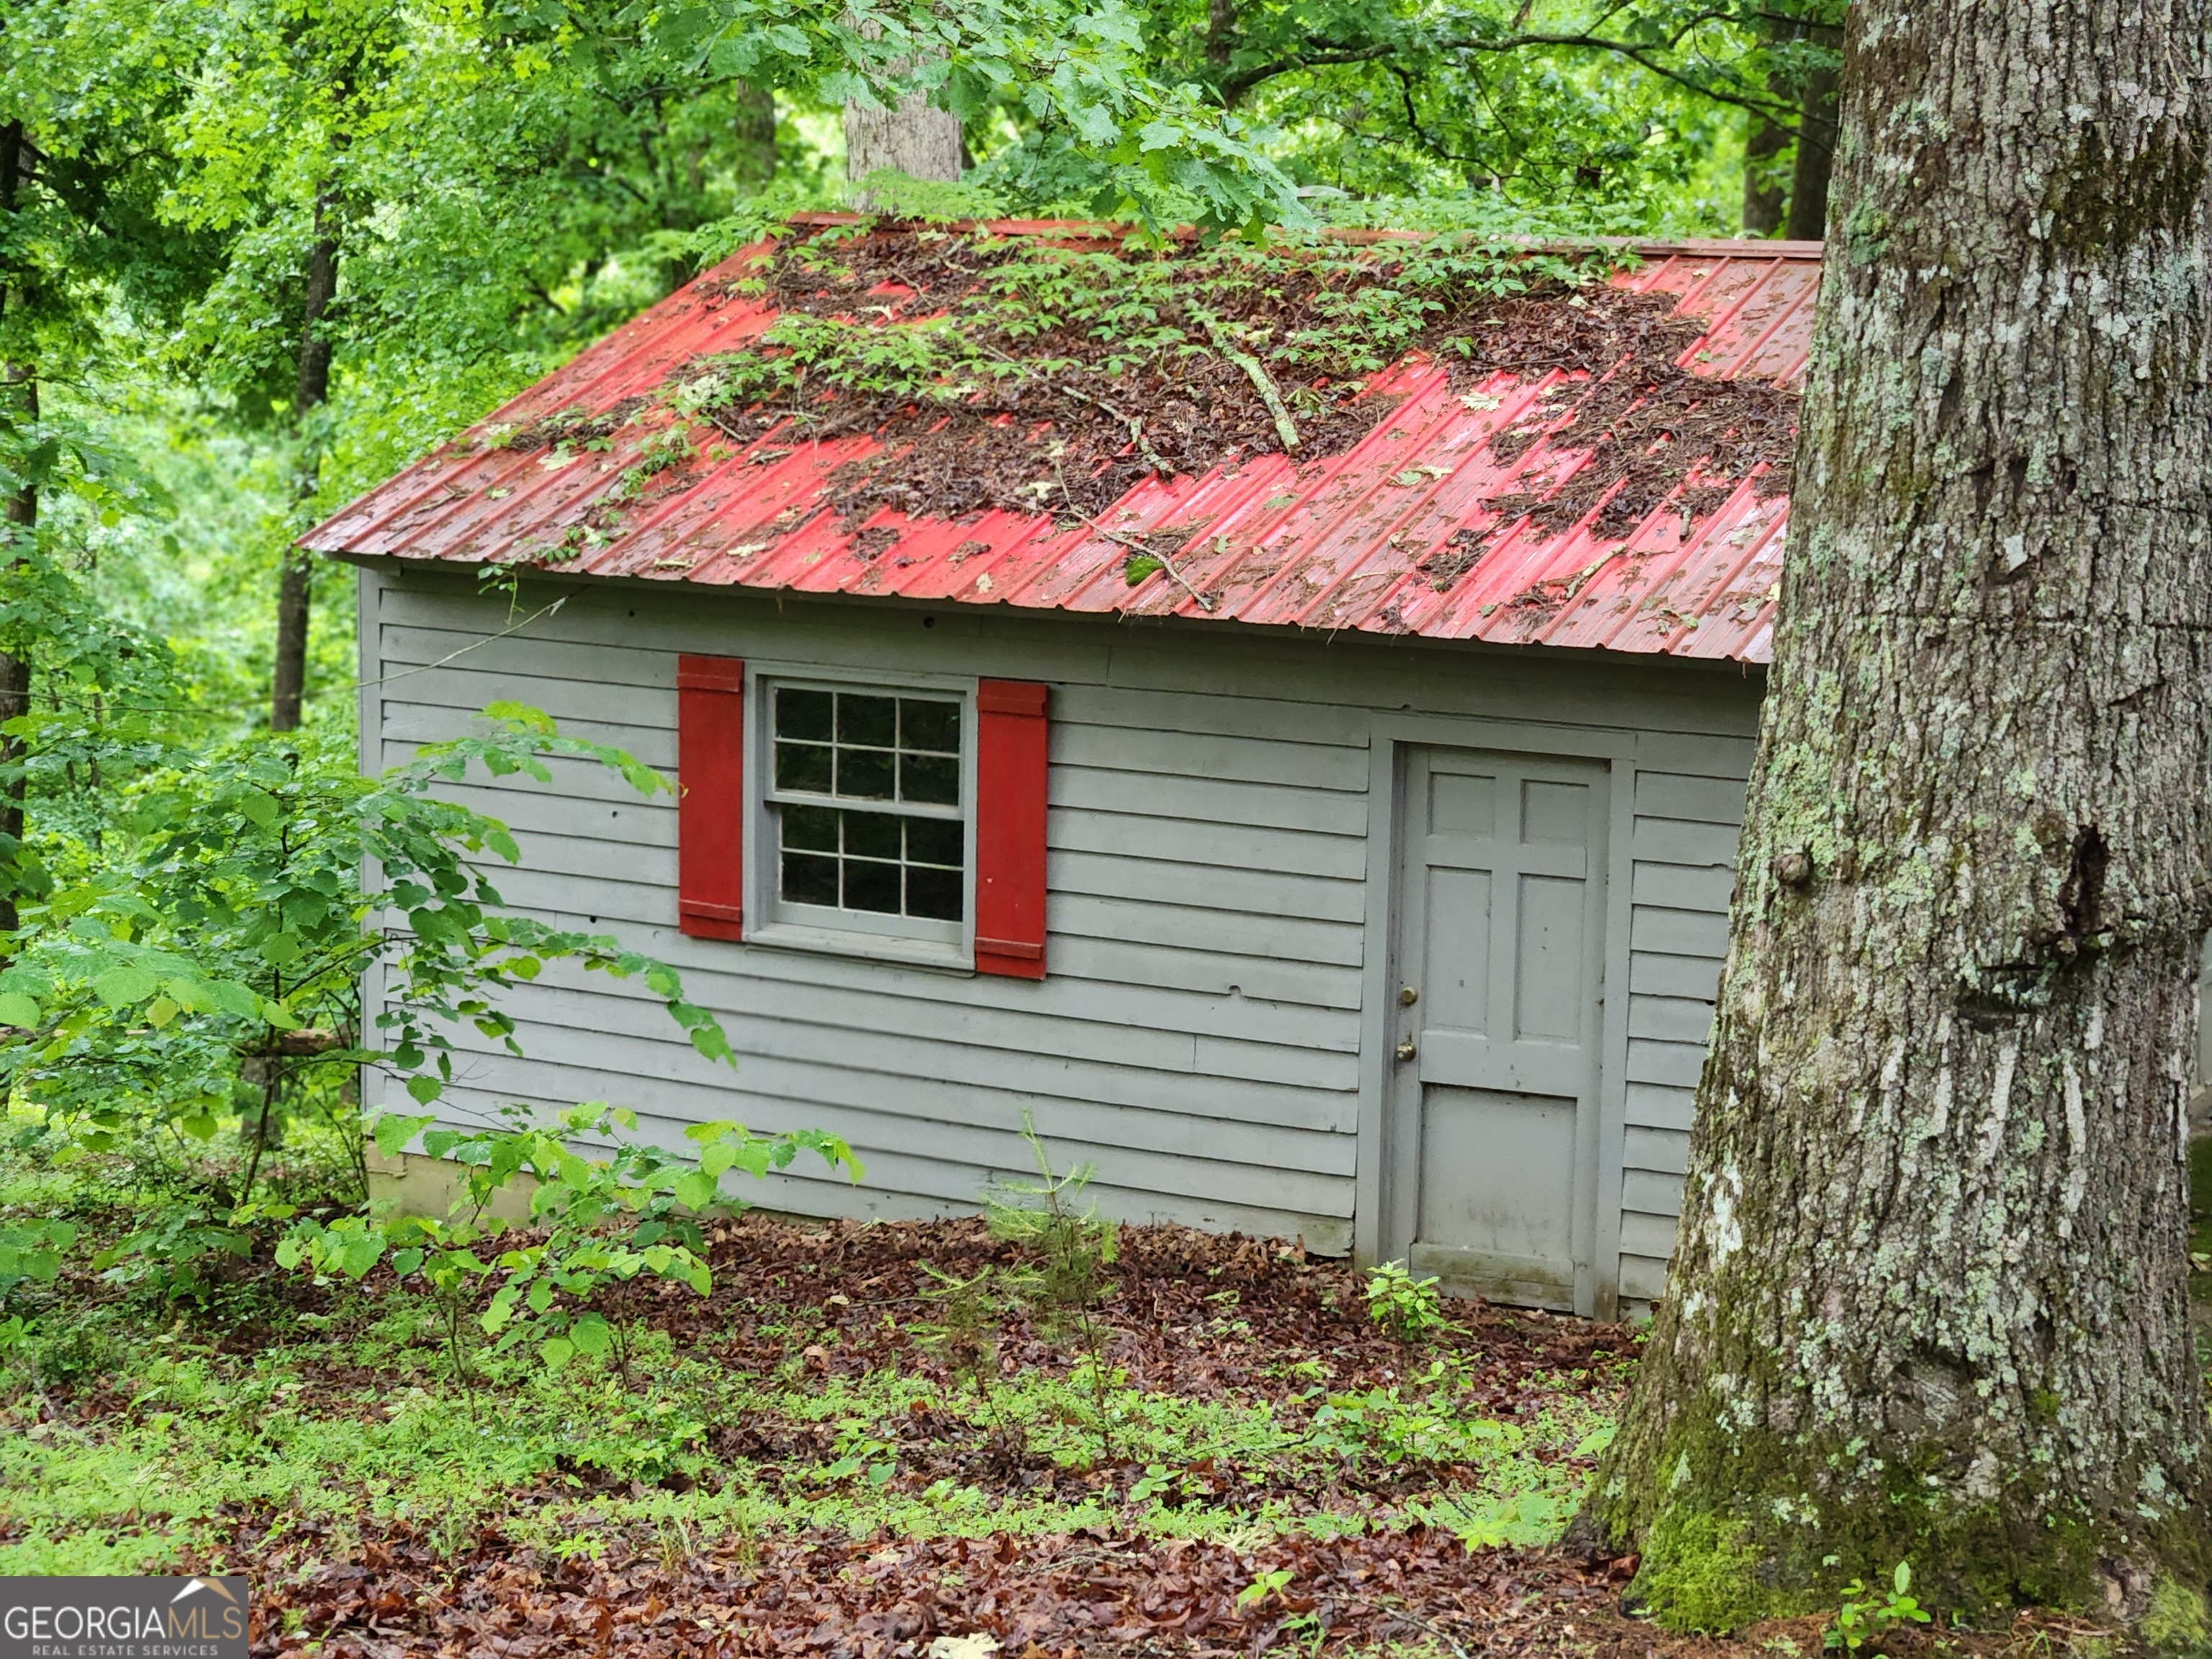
x=1495 y=1022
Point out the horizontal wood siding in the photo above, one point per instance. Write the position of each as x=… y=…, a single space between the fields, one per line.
x=1197 y=1035
x=1686 y=823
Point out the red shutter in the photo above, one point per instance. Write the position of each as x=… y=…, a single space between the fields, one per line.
x=1010 y=782
x=710 y=812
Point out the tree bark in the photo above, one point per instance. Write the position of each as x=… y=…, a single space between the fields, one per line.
x=19 y=385
x=311 y=388
x=1764 y=200
x=1220 y=35
x=1815 y=160
x=755 y=137
x=1930 y=1301
x=916 y=138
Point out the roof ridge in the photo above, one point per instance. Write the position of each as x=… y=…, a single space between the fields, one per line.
x=1104 y=229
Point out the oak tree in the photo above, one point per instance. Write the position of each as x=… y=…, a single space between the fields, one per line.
x=1930 y=1299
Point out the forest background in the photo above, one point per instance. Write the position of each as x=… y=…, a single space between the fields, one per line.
x=255 y=255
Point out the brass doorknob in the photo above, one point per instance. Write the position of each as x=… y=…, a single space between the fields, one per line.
x=1406 y=1049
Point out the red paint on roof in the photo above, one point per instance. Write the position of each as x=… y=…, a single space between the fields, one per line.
x=1332 y=543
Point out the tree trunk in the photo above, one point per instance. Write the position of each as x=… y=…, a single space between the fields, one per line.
x=294 y=589
x=755 y=137
x=1816 y=149
x=1763 y=199
x=19 y=385
x=1930 y=1301
x=1220 y=35
x=21 y=514
x=916 y=138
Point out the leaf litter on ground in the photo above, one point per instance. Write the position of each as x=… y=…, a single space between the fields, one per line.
x=798 y=1474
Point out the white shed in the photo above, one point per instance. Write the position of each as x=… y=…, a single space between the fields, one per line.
x=1360 y=877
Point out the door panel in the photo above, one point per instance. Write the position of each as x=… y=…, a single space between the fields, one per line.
x=1457 y=978
x=1499 y=945
x=1548 y=969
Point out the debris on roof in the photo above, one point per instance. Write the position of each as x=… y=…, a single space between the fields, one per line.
x=1394 y=438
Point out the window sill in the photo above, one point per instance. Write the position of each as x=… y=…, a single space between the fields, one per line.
x=878 y=947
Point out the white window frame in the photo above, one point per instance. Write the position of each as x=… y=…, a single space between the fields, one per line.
x=772 y=922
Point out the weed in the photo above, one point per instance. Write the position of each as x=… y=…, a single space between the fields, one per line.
x=1267 y=1584
x=609 y=1221
x=1408 y=1307
x=1862 y=1618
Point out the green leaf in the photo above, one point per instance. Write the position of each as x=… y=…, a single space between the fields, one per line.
x=557 y=1351
x=121 y=987
x=696 y=1190
x=258 y=807
x=200 y=1127
x=16 y=1009
x=521 y=718
x=1140 y=565
x=361 y=1254
x=591 y=1335
x=424 y=1088
x=391 y=1132
x=161 y=1011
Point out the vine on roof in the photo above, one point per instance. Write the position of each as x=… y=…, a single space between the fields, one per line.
x=1050 y=376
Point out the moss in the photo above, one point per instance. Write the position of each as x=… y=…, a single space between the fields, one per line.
x=2175 y=1623
x=1748 y=1525
x=1702 y=1572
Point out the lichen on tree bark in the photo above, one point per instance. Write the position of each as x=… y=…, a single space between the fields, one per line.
x=1930 y=1299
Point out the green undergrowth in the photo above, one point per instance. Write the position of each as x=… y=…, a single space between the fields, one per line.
x=367 y=1431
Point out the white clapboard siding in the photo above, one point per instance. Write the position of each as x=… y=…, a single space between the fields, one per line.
x=1199 y=1037
x=1686 y=823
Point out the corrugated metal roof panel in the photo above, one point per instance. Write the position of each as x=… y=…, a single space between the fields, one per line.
x=1334 y=543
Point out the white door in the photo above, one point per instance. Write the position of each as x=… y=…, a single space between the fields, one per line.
x=1495 y=1023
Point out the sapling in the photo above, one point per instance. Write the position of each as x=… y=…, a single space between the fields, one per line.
x=965 y=1334
x=1408 y=1307
x=1071 y=1249
x=607 y=1221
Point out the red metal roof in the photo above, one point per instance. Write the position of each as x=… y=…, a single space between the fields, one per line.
x=1331 y=543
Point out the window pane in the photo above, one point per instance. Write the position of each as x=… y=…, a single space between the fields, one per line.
x=867 y=719
x=802 y=766
x=934 y=840
x=802 y=714
x=932 y=778
x=934 y=893
x=871 y=886
x=811 y=827
x=872 y=834
x=810 y=880
x=866 y=773
x=929 y=726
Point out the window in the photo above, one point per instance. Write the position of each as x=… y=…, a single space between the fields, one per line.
x=866 y=810
x=901 y=821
